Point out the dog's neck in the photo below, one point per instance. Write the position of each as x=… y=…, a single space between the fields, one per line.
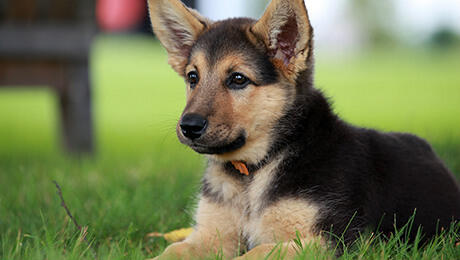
x=308 y=120
x=310 y=123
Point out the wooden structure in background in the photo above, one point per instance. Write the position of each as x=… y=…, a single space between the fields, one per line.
x=46 y=43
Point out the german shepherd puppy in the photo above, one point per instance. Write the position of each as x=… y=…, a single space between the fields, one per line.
x=280 y=162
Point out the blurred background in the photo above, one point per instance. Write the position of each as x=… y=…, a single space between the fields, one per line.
x=87 y=98
x=86 y=76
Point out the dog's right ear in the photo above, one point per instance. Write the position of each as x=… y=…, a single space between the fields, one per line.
x=177 y=27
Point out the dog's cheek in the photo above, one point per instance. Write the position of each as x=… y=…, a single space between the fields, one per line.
x=262 y=108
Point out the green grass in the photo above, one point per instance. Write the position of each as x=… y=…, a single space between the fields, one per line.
x=142 y=180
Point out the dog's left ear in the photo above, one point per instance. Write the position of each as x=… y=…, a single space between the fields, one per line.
x=286 y=32
x=177 y=27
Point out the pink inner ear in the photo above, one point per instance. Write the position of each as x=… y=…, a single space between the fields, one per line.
x=287 y=40
x=181 y=43
x=181 y=37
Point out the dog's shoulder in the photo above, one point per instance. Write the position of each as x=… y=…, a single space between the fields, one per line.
x=394 y=142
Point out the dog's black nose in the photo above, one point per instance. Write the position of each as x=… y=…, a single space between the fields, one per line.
x=193 y=126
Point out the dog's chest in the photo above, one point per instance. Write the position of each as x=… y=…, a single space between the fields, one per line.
x=254 y=201
x=259 y=219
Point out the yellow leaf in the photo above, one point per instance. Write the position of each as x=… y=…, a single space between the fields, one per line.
x=178 y=235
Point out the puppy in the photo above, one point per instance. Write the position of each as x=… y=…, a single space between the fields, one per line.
x=281 y=164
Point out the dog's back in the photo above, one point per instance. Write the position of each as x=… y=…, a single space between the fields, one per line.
x=410 y=181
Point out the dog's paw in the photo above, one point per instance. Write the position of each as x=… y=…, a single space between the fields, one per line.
x=180 y=250
x=264 y=251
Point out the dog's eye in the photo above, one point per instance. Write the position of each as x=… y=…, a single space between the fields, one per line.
x=192 y=78
x=237 y=81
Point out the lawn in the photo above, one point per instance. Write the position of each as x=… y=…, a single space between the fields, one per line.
x=142 y=180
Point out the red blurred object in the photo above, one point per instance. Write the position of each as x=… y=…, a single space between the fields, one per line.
x=120 y=15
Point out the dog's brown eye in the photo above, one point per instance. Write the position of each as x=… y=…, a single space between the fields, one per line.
x=237 y=81
x=192 y=78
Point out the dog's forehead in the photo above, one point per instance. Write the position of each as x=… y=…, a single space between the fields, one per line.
x=228 y=39
x=224 y=38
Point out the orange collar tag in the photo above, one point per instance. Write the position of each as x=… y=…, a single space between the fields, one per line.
x=241 y=167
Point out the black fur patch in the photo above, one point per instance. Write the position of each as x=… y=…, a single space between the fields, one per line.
x=360 y=178
x=228 y=37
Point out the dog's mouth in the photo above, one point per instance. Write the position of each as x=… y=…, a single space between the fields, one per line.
x=234 y=145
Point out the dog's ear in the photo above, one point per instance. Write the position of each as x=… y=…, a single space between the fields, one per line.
x=286 y=31
x=177 y=27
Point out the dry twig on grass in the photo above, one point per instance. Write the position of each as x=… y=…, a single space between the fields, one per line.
x=74 y=220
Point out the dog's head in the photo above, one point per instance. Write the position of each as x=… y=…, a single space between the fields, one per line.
x=241 y=74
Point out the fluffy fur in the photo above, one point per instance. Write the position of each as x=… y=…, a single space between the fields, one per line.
x=310 y=172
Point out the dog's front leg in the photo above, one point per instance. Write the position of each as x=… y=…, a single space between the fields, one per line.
x=287 y=250
x=217 y=231
x=179 y=250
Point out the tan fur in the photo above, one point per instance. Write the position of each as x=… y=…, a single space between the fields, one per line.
x=253 y=109
x=278 y=225
x=220 y=181
x=269 y=27
x=257 y=110
x=197 y=61
x=261 y=182
x=281 y=221
x=255 y=192
x=180 y=250
x=186 y=21
x=278 y=222
x=223 y=225
x=217 y=228
x=287 y=250
x=240 y=212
